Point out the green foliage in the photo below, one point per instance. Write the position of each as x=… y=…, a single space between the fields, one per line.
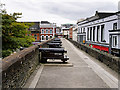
x=6 y=53
x=14 y=34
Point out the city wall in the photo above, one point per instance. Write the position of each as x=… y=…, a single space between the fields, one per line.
x=111 y=61
x=17 y=68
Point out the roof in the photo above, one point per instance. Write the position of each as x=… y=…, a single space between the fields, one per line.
x=98 y=15
x=118 y=12
x=35 y=25
x=104 y=14
x=80 y=20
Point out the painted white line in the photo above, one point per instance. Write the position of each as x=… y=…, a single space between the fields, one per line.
x=109 y=79
x=61 y=65
x=36 y=78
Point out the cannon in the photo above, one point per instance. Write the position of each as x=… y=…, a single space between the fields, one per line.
x=53 y=53
x=56 y=41
x=54 y=45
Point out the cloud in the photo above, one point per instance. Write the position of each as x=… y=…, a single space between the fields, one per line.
x=59 y=11
x=76 y=10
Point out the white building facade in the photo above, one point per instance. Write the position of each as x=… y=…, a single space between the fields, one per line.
x=74 y=33
x=65 y=28
x=59 y=33
x=95 y=30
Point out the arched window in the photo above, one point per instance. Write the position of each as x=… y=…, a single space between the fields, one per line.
x=42 y=30
x=46 y=37
x=35 y=37
x=50 y=37
x=42 y=37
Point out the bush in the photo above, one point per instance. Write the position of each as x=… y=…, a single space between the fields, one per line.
x=6 y=53
x=14 y=34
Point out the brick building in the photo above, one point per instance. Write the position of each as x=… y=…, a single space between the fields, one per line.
x=44 y=30
x=35 y=30
x=71 y=32
x=48 y=30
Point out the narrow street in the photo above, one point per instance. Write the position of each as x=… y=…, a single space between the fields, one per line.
x=85 y=73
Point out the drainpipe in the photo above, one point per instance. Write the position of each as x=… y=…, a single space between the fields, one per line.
x=110 y=43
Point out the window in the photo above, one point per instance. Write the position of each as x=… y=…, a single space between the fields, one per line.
x=57 y=30
x=94 y=33
x=78 y=30
x=46 y=30
x=42 y=37
x=50 y=37
x=102 y=30
x=114 y=26
x=114 y=41
x=83 y=30
x=98 y=27
x=46 y=37
x=51 y=31
x=42 y=30
x=88 y=34
x=35 y=37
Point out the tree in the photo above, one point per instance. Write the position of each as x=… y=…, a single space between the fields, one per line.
x=14 y=34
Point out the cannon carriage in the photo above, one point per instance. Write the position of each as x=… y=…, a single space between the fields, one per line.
x=53 y=53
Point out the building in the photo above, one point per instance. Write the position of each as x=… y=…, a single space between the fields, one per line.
x=74 y=36
x=100 y=31
x=35 y=30
x=48 y=30
x=59 y=34
x=73 y=32
x=44 y=30
x=114 y=37
x=70 y=32
x=65 y=28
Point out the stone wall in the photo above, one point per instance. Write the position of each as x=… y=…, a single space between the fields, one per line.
x=17 y=68
x=111 y=61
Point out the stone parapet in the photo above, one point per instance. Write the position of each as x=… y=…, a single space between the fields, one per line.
x=111 y=61
x=17 y=68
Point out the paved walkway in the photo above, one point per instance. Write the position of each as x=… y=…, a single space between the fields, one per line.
x=85 y=73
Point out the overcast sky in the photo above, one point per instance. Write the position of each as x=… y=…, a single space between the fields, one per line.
x=58 y=11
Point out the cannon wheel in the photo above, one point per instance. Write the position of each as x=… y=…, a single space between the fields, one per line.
x=63 y=60
x=44 y=61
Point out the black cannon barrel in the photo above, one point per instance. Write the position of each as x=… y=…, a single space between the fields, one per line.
x=55 y=50
x=56 y=42
x=57 y=39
